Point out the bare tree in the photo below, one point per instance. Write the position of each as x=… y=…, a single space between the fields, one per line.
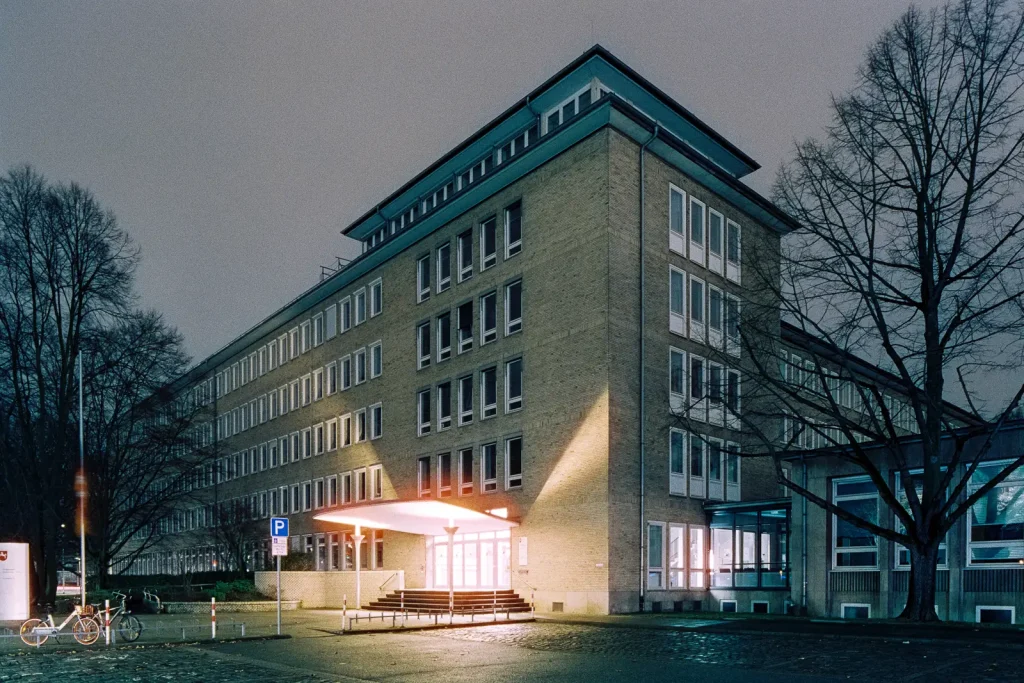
x=910 y=256
x=238 y=533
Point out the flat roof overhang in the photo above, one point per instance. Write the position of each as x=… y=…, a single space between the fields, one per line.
x=425 y=517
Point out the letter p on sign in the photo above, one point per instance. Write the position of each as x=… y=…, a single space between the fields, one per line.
x=279 y=526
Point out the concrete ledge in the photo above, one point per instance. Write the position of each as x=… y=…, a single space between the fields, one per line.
x=230 y=607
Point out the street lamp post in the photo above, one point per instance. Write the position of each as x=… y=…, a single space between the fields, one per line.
x=80 y=479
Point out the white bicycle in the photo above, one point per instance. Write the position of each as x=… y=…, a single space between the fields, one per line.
x=85 y=628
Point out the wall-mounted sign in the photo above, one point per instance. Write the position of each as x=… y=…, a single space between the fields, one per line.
x=14 y=581
x=522 y=551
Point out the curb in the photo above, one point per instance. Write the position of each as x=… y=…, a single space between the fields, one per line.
x=136 y=646
x=430 y=627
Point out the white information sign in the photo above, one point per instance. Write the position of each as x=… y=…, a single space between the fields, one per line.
x=14 y=581
x=278 y=546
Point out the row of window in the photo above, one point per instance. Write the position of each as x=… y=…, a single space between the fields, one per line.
x=441 y=271
x=703 y=467
x=712 y=393
x=336 y=319
x=707 y=238
x=351 y=369
x=445 y=391
x=714 y=316
x=434 y=341
x=454 y=473
x=995 y=535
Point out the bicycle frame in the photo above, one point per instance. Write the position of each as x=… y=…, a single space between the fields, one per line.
x=53 y=629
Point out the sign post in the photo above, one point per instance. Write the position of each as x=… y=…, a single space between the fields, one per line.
x=279 y=547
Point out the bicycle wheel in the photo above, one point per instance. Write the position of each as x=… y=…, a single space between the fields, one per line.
x=86 y=630
x=28 y=637
x=129 y=627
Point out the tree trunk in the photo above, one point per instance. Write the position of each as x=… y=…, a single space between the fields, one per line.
x=921 y=591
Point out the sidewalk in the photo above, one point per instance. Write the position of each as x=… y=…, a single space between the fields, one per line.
x=712 y=622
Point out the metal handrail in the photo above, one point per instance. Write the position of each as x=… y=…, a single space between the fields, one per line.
x=386 y=582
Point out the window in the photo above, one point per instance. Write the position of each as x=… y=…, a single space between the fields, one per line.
x=715 y=239
x=332 y=435
x=296 y=498
x=444 y=267
x=320 y=490
x=465 y=399
x=318 y=439
x=697 y=555
x=655 y=556
x=902 y=554
x=444 y=405
x=296 y=446
x=271 y=355
x=307 y=389
x=330 y=323
x=360 y=425
x=464 y=315
x=360 y=362
x=346 y=372
x=332 y=491
x=488 y=318
x=444 y=337
x=676 y=301
x=697 y=217
x=423 y=403
x=376 y=421
x=376 y=482
x=728 y=605
x=488 y=393
x=345 y=315
x=513 y=385
x=360 y=305
x=488 y=243
x=561 y=114
x=698 y=479
x=697 y=320
x=732 y=251
x=361 y=484
x=423 y=344
x=423 y=477
x=715 y=315
x=489 y=466
x=677 y=462
x=345 y=430
x=444 y=475
x=307 y=442
x=852 y=610
x=376 y=360
x=514 y=307
x=306 y=337
x=676 y=379
x=514 y=462
x=513 y=230
x=307 y=496
x=466 y=472
x=423 y=279
x=676 y=220
x=318 y=329
x=732 y=325
x=318 y=384
x=282 y=446
x=995 y=534
x=986 y=614
x=697 y=388
x=376 y=297
x=853 y=547
x=750 y=548
x=283 y=349
x=465 y=248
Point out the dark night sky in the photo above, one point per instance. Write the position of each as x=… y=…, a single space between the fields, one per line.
x=234 y=140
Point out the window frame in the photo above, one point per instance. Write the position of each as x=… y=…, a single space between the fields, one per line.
x=513 y=481
x=462 y=240
x=834 y=522
x=514 y=403
x=513 y=325
x=376 y=302
x=423 y=284
x=516 y=247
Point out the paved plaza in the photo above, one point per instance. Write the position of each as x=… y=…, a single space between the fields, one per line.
x=541 y=651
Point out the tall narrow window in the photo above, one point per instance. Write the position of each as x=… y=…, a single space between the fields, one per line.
x=360 y=425
x=345 y=315
x=306 y=337
x=696 y=557
x=423 y=279
x=345 y=430
x=361 y=485
x=332 y=491
x=332 y=435
x=732 y=251
x=423 y=477
x=444 y=337
x=423 y=344
x=376 y=360
x=655 y=556
x=346 y=488
x=376 y=482
x=697 y=309
x=465 y=399
x=465 y=323
x=715 y=240
x=677 y=379
x=697 y=388
x=488 y=318
x=513 y=229
x=423 y=403
x=444 y=405
x=514 y=385
x=465 y=242
x=330 y=327
x=359 y=357
x=489 y=466
x=466 y=472
x=376 y=421
x=360 y=305
x=318 y=330
x=332 y=377
x=852 y=546
x=318 y=384
x=345 y=373
x=488 y=243
x=677 y=462
x=698 y=214
x=444 y=475
x=376 y=297
x=676 y=301
x=444 y=267
x=488 y=393
x=732 y=325
x=514 y=462
x=514 y=307
x=676 y=220
x=715 y=315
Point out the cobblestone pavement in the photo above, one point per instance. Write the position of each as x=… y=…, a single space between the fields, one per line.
x=535 y=652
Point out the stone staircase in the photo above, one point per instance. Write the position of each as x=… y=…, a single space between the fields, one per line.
x=466 y=601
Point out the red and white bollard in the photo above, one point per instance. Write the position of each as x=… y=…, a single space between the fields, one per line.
x=344 y=610
x=213 y=618
x=106 y=618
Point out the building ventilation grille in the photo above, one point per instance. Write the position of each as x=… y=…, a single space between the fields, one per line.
x=901 y=581
x=993 y=580
x=853 y=582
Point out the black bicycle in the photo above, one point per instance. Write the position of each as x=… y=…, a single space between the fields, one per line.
x=123 y=621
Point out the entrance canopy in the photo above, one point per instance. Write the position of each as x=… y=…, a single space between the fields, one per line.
x=425 y=517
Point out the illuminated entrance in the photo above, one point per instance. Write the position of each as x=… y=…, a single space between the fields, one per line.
x=478 y=561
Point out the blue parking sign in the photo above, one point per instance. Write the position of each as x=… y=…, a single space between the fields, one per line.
x=279 y=526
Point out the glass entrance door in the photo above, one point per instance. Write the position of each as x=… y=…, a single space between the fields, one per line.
x=480 y=561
